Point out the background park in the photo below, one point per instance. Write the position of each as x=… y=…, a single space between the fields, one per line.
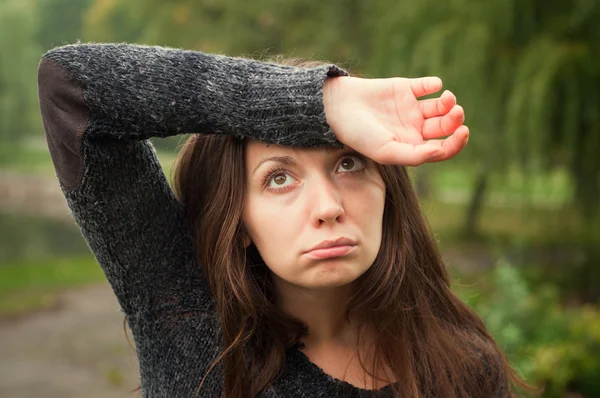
x=516 y=213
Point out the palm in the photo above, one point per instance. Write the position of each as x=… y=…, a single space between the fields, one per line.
x=384 y=120
x=402 y=114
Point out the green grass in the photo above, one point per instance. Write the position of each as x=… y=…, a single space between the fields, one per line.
x=35 y=159
x=28 y=160
x=34 y=284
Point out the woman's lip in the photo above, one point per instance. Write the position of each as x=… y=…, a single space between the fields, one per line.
x=334 y=251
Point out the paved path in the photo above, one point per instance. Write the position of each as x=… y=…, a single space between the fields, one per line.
x=37 y=195
x=76 y=350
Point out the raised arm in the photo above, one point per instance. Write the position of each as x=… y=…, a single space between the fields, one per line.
x=101 y=102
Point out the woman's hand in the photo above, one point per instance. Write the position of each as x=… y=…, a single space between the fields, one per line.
x=383 y=120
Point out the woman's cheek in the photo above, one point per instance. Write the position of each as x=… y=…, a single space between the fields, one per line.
x=368 y=189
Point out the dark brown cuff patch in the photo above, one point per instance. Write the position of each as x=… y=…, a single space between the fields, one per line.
x=65 y=117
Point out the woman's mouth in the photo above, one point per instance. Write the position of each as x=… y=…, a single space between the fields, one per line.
x=330 y=252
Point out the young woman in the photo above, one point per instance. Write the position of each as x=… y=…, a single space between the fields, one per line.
x=291 y=259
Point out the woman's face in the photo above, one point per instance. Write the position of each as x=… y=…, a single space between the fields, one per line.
x=296 y=198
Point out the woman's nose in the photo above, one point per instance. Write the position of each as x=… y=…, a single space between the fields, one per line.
x=327 y=204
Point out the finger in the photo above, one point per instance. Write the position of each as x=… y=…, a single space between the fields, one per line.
x=452 y=145
x=425 y=85
x=442 y=126
x=394 y=152
x=437 y=106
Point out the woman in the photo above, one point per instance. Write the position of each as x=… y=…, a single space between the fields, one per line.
x=298 y=269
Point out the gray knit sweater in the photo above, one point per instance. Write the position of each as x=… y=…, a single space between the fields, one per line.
x=100 y=103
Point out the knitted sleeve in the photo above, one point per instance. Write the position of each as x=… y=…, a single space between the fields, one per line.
x=101 y=102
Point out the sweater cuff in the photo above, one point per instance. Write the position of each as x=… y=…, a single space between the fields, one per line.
x=285 y=105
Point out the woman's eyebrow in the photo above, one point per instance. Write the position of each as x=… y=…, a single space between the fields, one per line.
x=287 y=160
x=333 y=149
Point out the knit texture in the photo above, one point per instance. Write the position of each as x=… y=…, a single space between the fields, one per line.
x=126 y=210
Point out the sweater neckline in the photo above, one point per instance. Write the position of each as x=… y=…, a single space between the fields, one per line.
x=313 y=374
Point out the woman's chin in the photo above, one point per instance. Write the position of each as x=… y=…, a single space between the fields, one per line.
x=329 y=275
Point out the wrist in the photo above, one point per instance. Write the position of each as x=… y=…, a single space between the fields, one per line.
x=334 y=91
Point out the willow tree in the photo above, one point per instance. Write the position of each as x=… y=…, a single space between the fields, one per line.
x=302 y=28
x=19 y=54
x=554 y=107
x=62 y=21
x=527 y=71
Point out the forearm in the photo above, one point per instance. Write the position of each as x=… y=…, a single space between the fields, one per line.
x=137 y=92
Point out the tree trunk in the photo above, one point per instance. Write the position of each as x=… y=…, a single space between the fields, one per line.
x=475 y=205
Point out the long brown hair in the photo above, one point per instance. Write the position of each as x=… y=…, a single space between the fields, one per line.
x=434 y=343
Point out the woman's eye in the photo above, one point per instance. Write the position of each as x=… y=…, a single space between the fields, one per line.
x=279 y=180
x=351 y=163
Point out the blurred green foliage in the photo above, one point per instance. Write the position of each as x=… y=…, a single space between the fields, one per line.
x=523 y=69
x=551 y=345
x=62 y=21
x=19 y=56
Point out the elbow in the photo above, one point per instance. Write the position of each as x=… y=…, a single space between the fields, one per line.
x=65 y=117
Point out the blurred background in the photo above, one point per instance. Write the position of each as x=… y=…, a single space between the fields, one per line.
x=516 y=214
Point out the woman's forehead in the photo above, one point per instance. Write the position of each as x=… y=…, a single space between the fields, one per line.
x=256 y=148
